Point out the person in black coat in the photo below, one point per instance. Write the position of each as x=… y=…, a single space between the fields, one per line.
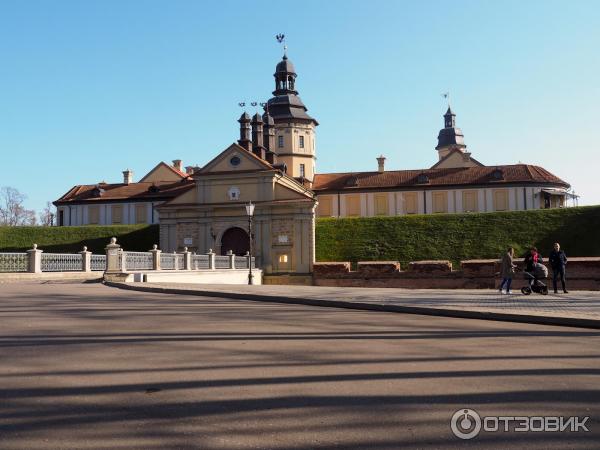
x=558 y=261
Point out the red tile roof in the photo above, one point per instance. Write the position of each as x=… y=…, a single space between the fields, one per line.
x=92 y=193
x=461 y=176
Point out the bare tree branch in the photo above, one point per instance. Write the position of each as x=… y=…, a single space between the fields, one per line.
x=12 y=211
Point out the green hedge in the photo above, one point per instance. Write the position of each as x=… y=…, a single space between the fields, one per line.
x=458 y=237
x=72 y=239
x=408 y=238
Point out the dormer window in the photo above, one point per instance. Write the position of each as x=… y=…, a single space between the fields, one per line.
x=154 y=189
x=422 y=179
x=352 y=181
x=498 y=175
x=97 y=192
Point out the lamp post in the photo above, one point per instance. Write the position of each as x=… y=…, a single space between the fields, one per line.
x=250 y=213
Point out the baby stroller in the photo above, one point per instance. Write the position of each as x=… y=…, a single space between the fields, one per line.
x=538 y=273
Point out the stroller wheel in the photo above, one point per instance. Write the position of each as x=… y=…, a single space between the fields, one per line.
x=525 y=290
x=544 y=290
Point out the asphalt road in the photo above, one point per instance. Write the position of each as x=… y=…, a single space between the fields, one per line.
x=88 y=366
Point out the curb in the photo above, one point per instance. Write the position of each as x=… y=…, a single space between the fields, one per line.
x=462 y=314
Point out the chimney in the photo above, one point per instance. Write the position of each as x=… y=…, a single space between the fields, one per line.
x=381 y=164
x=127 y=176
x=257 y=131
x=244 y=140
x=177 y=164
x=189 y=170
x=269 y=131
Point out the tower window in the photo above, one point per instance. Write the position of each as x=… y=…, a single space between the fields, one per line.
x=301 y=141
x=280 y=141
x=302 y=170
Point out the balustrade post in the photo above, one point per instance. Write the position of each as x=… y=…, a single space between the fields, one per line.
x=175 y=261
x=115 y=260
x=35 y=259
x=187 y=259
x=155 y=257
x=86 y=260
x=231 y=259
x=211 y=259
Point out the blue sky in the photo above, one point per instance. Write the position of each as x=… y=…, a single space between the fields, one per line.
x=92 y=88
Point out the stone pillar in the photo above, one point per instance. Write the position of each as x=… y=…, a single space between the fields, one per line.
x=187 y=259
x=176 y=262
x=86 y=260
x=155 y=257
x=211 y=259
x=248 y=260
x=114 y=257
x=231 y=259
x=35 y=259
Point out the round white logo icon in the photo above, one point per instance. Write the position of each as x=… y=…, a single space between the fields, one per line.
x=465 y=424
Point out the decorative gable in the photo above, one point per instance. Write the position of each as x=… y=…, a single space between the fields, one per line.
x=162 y=172
x=233 y=159
x=456 y=158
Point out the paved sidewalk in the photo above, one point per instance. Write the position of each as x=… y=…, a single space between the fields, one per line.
x=581 y=308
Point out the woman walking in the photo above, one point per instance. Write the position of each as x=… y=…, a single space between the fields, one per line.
x=507 y=270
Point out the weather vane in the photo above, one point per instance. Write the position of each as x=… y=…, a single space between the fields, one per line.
x=281 y=39
x=242 y=104
x=446 y=95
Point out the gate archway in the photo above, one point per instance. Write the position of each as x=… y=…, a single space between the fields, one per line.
x=236 y=240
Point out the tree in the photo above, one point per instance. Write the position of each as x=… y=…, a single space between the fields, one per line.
x=12 y=211
x=47 y=215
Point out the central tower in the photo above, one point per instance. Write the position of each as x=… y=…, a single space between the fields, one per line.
x=294 y=128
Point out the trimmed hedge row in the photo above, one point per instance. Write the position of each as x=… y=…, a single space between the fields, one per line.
x=454 y=237
x=72 y=239
x=457 y=237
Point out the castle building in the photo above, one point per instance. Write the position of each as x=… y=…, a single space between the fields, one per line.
x=123 y=203
x=456 y=183
x=273 y=165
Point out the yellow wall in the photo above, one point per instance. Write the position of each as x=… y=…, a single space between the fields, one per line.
x=325 y=208
x=141 y=213
x=470 y=201
x=500 y=199
x=352 y=205
x=117 y=213
x=440 y=201
x=93 y=215
x=411 y=205
x=381 y=205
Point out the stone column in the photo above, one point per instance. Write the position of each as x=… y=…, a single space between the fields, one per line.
x=187 y=259
x=35 y=259
x=248 y=260
x=86 y=260
x=155 y=257
x=211 y=259
x=175 y=261
x=231 y=259
x=114 y=256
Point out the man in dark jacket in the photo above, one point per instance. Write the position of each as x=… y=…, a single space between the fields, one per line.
x=558 y=261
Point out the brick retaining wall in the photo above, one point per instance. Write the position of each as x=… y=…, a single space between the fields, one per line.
x=582 y=274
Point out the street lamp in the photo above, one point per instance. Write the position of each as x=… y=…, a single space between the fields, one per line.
x=250 y=212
